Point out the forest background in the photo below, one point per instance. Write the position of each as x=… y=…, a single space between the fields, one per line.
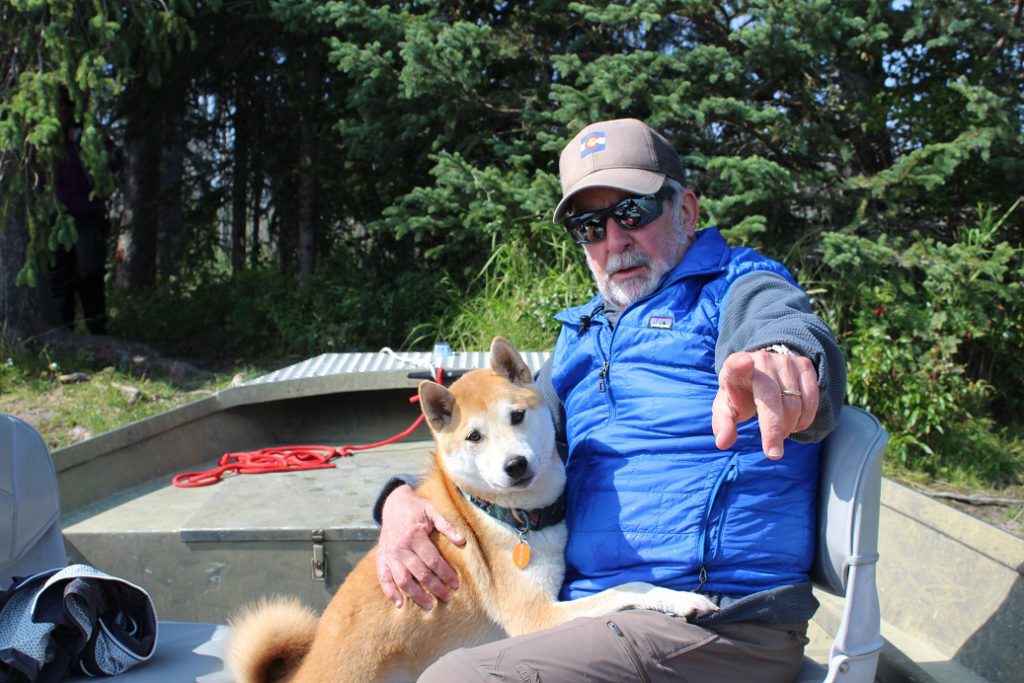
x=304 y=176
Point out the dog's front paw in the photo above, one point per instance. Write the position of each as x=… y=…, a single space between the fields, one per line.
x=683 y=603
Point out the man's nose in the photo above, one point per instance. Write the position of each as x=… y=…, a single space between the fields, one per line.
x=616 y=237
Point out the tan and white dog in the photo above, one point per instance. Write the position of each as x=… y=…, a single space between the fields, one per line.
x=495 y=450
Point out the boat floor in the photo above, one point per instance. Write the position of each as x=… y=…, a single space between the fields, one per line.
x=272 y=506
x=183 y=544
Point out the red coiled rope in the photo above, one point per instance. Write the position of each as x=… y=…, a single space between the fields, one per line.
x=286 y=458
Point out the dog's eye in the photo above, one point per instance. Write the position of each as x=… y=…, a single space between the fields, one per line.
x=474 y=436
x=517 y=416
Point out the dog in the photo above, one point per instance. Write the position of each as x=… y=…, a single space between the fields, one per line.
x=497 y=476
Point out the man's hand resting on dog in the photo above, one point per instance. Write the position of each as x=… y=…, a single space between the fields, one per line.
x=407 y=560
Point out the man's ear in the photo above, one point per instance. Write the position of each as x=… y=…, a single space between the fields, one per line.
x=437 y=403
x=507 y=362
x=690 y=211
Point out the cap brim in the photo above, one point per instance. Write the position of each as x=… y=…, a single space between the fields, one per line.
x=632 y=180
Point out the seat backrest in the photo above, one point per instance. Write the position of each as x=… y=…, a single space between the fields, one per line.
x=849 y=498
x=30 y=538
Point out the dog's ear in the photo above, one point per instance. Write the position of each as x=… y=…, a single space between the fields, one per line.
x=507 y=362
x=436 y=402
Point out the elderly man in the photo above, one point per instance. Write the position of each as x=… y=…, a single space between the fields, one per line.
x=652 y=385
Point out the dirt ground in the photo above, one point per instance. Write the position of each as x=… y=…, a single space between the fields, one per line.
x=1009 y=518
x=1003 y=508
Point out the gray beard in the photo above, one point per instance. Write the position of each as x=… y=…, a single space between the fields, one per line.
x=625 y=293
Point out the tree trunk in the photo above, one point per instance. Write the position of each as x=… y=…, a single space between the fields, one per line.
x=256 y=191
x=307 y=233
x=172 y=211
x=257 y=240
x=870 y=138
x=282 y=225
x=307 y=168
x=137 y=244
x=24 y=311
x=239 y=188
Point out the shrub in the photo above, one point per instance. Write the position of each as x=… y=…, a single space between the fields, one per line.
x=262 y=313
x=516 y=294
x=933 y=333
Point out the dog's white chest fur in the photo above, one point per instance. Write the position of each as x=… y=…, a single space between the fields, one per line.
x=547 y=560
x=547 y=548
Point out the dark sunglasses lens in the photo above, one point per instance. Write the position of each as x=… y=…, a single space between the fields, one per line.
x=636 y=213
x=587 y=227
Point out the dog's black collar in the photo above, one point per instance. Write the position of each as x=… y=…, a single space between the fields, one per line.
x=519 y=519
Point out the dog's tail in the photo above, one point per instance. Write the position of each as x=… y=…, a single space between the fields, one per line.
x=269 y=639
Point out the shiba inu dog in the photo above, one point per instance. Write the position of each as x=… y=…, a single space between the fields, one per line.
x=497 y=476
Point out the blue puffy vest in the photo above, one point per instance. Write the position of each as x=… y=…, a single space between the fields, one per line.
x=649 y=496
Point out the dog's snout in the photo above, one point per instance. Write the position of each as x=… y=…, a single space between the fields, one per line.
x=515 y=467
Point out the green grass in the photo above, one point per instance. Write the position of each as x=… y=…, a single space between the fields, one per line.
x=515 y=295
x=64 y=413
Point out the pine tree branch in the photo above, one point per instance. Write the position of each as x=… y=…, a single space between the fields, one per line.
x=1015 y=23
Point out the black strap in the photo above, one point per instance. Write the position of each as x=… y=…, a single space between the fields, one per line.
x=519 y=519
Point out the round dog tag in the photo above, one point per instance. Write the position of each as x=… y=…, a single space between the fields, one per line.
x=521 y=554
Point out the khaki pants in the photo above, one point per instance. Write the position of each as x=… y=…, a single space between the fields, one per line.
x=636 y=645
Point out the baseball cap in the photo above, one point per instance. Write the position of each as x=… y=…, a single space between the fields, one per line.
x=625 y=154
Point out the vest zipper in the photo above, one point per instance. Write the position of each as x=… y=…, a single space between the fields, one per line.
x=727 y=475
x=631 y=652
x=604 y=379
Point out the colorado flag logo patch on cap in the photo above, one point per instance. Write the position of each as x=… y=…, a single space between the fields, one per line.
x=591 y=142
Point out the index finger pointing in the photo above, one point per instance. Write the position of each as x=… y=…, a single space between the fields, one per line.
x=737 y=379
x=770 y=414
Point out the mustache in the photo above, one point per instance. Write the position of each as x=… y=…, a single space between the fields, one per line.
x=625 y=260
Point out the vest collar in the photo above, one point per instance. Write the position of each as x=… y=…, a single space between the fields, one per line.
x=519 y=519
x=708 y=253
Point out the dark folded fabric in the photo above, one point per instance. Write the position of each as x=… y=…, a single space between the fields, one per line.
x=791 y=604
x=73 y=619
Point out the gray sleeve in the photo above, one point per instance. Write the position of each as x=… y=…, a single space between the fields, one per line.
x=555 y=407
x=762 y=309
x=389 y=486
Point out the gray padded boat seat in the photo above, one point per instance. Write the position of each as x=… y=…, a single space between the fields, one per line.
x=849 y=498
x=29 y=498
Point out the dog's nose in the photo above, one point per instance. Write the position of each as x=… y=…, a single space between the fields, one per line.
x=515 y=467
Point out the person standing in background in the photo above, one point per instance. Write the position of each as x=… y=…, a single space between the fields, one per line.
x=81 y=269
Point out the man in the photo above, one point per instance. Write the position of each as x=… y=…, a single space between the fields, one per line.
x=652 y=385
x=80 y=270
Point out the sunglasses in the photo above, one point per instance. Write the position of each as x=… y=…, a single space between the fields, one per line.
x=632 y=213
